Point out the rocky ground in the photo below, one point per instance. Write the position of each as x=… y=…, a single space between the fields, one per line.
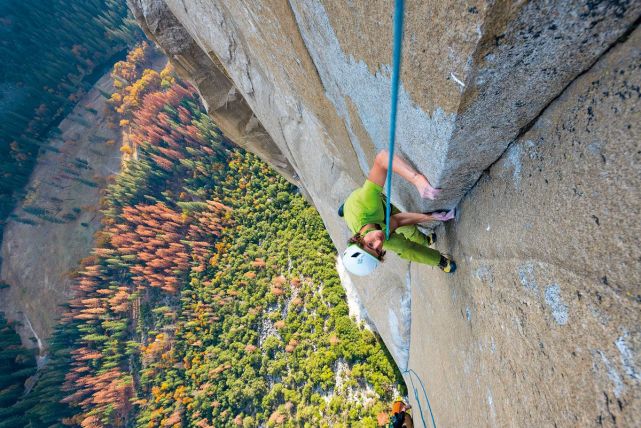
x=541 y=325
x=63 y=193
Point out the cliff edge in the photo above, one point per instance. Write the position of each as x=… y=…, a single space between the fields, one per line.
x=525 y=113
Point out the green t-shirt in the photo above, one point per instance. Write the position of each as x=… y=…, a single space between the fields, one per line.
x=365 y=206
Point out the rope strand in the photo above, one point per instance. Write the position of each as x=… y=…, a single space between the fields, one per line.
x=396 y=70
x=420 y=408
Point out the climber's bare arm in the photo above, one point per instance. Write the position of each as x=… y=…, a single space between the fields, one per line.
x=407 y=219
x=378 y=174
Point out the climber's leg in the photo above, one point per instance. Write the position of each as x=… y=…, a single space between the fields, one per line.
x=413 y=233
x=378 y=174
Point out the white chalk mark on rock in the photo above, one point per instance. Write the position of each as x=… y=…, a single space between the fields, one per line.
x=513 y=159
x=490 y=404
x=627 y=357
x=556 y=304
x=457 y=80
x=612 y=374
x=526 y=276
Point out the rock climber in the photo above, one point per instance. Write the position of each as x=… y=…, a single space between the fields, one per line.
x=364 y=213
x=400 y=416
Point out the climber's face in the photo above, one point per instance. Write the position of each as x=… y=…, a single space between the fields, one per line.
x=373 y=243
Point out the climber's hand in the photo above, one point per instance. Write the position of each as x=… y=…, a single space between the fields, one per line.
x=424 y=187
x=443 y=215
x=431 y=193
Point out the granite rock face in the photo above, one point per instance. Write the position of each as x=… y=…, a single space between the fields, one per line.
x=541 y=325
x=305 y=85
x=217 y=90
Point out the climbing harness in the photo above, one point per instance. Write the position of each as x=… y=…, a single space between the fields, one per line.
x=411 y=372
x=396 y=61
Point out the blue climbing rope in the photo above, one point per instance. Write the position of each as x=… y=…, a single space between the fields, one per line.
x=420 y=408
x=396 y=70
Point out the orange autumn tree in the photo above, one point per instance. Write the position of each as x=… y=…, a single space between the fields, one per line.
x=149 y=245
x=183 y=317
x=154 y=235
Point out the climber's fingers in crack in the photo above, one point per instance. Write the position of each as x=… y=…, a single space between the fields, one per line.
x=443 y=215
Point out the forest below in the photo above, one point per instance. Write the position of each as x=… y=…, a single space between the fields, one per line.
x=52 y=52
x=211 y=297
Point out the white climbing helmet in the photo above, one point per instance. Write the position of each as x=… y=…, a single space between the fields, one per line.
x=358 y=261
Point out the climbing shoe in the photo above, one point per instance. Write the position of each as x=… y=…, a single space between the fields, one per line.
x=447 y=265
x=431 y=239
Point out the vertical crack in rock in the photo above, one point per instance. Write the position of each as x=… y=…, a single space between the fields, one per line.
x=522 y=131
x=318 y=75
